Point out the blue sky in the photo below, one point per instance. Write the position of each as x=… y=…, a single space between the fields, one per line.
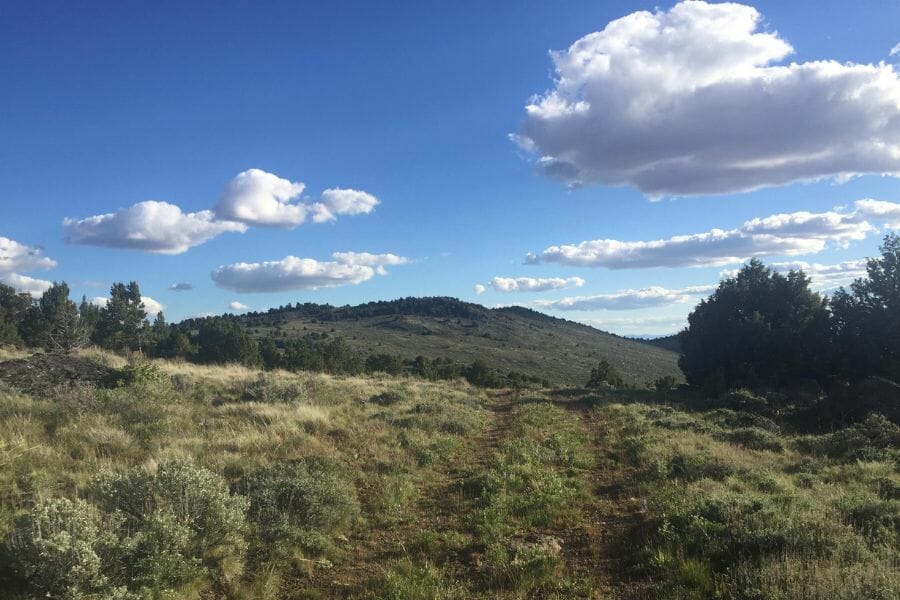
x=107 y=105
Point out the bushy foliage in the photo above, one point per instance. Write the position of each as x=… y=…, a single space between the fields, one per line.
x=759 y=327
x=290 y=500
x=170 y=526
x=120 y=324
x=604 y=375
x=141 y=373
x=141 y=534
x=875 y=438
x=13 y=307
x=55 y=549
x=480 y=374
x=222 y=341
x=866 y=318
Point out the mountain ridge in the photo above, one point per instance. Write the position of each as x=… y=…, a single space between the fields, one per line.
x=512 y=338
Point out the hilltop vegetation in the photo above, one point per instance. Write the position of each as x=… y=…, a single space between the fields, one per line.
x=508 y=339
x=433 y=338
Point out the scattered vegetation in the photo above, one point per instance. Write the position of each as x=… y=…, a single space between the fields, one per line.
x=732 y=511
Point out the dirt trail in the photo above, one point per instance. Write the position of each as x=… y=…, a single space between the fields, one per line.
x=594 y=551
x=601 y=549
x=441 y=506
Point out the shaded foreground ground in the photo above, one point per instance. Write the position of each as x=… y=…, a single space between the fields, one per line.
x=398 y=488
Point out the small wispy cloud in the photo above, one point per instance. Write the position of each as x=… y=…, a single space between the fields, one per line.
x=628 y=299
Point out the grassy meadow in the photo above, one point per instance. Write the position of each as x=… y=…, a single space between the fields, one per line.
x=173 y=480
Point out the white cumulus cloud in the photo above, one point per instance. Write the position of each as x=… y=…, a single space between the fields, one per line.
x=532 y=284
x=151 y=226
x=880 y=209
x=336 y=201
x=29 y=285
x=256 y=197
x=895 y=50
x=238 y=306
x=789 y=234
x=698 y=100
x=479 y=288
x=628 y=299
x=293 y=273
x=19 y=257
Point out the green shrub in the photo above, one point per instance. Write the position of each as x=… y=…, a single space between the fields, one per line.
x=55 y=549
x=876 y=438
x=267 y=388
x=289 y=499
x=753 y=438
x=387 y=398
x=692 y=467
x=408 y=581
x=526 y=569
x=604 y=375
x=141 y=373
x=876 y=519
x=172 y=525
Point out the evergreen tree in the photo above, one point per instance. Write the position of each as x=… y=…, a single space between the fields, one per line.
x=158 y=334
x=269 y=354
x=176 y=345
x=757 y=328
x=866 y=319
x=604 y=374
x=222 y=341
x=53 y=323
x=90 y=315
x=121 y=321
x=13 y=309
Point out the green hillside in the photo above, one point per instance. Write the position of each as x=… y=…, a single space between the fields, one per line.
x=508 y=339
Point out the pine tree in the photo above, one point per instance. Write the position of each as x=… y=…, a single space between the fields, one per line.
x=13 y=308
x=121 y=323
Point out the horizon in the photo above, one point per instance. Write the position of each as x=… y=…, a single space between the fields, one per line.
x=233 y=158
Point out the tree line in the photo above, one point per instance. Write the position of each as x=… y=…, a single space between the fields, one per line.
x=761 y=328
x=55 y=323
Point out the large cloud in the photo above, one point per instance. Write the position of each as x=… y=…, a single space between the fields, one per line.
x=29 y=285
x=790 y=234
x=628 y=299
x=152 y=226
x=19 y=257
x=693 y=101
x=256 y=197
x=292 y=273
x=531 y=284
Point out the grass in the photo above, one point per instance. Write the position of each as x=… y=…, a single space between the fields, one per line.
x=745 y=512
x=310 y=448
x=183 y=481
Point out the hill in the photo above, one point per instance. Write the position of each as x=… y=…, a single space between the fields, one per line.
x=668 y=342
x=508 y=339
